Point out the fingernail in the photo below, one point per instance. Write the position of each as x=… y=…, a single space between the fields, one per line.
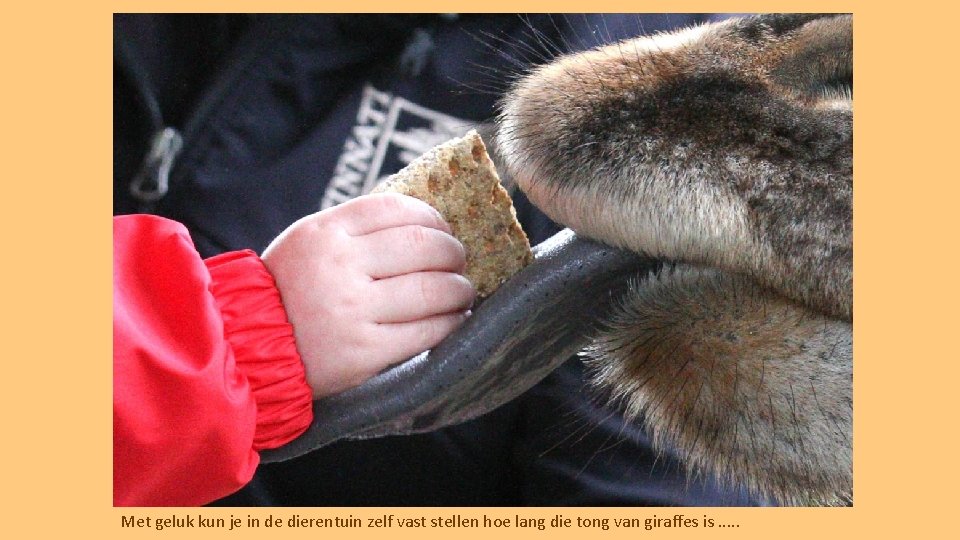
x=440 y=219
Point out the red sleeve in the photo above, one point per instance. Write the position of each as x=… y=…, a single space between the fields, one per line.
x=205 y=368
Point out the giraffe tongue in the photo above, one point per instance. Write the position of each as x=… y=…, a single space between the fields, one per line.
x=537 y=320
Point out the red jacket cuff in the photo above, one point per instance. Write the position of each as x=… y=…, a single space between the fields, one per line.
x=256 y=326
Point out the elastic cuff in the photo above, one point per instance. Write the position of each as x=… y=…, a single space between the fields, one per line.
x=257 y=329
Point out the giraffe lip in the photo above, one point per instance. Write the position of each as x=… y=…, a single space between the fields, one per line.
x=537 y=320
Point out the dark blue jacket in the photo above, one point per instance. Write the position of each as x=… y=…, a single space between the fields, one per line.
x=278 y=116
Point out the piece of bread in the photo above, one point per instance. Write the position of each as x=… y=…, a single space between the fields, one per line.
x=459 y=180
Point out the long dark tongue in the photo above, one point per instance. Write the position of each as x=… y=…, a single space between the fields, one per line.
x=532 y=324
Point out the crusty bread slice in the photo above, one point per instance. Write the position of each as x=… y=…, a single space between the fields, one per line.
x=459 y=180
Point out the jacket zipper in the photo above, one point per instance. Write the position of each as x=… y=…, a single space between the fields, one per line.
x=257 y=36
x=159 y=169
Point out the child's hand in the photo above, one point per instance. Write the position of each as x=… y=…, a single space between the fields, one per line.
x=367 y=284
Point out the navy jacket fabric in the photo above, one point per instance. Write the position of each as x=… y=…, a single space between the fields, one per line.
x=282 y=115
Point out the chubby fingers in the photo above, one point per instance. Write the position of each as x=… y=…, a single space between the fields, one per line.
x=420 y=295
x=411 y=248
x=406 y=339
x=372 y=213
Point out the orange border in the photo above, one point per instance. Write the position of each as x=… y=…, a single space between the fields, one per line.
x=56 y=201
